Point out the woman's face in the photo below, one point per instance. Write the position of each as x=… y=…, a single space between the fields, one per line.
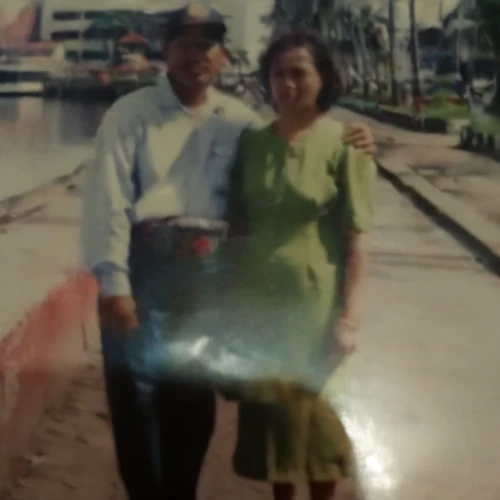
x=295 y=81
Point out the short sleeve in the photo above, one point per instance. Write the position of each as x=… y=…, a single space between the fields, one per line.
x=357 y=179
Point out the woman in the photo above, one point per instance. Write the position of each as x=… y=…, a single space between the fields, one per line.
x=302 y=199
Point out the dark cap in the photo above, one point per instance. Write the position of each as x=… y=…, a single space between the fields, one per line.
x=195 y=14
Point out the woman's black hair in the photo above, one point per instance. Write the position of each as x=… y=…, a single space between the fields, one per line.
x=333 y=86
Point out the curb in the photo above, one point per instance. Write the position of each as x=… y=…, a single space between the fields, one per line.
x=426 y=125
x=22 y=205
x=39 y=357
x=470 y=227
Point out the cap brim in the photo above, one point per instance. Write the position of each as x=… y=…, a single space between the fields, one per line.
x=213 y=31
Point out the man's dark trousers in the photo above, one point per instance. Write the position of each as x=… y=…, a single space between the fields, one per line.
x=162 y=426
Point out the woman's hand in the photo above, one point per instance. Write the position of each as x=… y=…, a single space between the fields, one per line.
x=361 y=137
x=344 y=337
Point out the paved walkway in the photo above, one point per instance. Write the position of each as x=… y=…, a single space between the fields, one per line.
x=472 y=178
x=422 y=404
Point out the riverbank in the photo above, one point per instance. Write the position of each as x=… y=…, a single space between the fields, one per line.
x=14 y=208
x=47 y=317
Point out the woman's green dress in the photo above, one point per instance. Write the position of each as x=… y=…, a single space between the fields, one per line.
x=298 y=200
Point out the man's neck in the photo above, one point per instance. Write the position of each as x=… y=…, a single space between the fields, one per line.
x=189 y=97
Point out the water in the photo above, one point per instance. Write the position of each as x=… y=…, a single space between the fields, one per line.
x=42 y=139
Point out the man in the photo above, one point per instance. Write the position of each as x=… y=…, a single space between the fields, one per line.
x=161 y=151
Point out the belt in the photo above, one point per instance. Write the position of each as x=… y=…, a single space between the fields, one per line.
x=182 y=236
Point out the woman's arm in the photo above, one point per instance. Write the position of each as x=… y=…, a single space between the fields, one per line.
x=355 y=276
x=358 y=174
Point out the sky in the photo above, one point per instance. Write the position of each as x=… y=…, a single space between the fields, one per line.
x=427 y=10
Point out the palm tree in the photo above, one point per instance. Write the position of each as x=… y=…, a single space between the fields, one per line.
x=414 y=54
x=363 y=24
x=240 y=59
x=314 y=14
x=357 y=27
x=323 y=17
x=392 y=54
x=334 y=20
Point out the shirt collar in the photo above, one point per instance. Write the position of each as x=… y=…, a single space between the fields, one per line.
x=169 y=100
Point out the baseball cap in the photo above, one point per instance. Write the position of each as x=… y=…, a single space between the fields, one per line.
x=195 y=14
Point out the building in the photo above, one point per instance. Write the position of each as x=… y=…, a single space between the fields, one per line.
x=67 y=21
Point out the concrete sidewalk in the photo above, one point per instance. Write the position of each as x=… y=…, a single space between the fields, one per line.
x=421 y=404
x=458 y=188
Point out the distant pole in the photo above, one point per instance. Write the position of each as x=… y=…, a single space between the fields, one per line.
x=80 y=36
x=392 y=54
x=459 y=34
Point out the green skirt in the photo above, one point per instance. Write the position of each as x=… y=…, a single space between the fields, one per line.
x=295 y=435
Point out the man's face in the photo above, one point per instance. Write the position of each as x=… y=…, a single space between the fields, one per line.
x=193 y=59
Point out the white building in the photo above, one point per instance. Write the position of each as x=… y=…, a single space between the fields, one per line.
x=65 y=21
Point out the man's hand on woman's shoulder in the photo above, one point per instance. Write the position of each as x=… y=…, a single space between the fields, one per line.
x=361 y=137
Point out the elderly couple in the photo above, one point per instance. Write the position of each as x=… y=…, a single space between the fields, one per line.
x=301 y=189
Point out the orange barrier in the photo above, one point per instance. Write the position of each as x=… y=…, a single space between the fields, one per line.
x=39 y=356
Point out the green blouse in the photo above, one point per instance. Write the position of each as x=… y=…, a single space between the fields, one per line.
x=296 y=202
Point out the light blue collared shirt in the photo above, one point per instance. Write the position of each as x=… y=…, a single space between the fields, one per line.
x=155 y=158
